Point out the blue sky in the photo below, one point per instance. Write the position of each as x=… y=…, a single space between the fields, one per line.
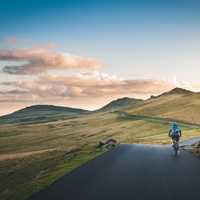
x=139 y=39
x=115 y=31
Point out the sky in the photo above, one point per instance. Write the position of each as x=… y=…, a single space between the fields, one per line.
x=85 y=53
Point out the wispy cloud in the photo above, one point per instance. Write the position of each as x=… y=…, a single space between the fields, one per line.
x=38 y=60
x=11 y=40
x=84 y=85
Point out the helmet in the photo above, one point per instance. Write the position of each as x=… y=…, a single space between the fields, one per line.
x=174 y=125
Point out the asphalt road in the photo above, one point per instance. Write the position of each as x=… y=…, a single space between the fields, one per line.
x=130 y=172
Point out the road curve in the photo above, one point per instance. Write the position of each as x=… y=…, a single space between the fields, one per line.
x=130 y=172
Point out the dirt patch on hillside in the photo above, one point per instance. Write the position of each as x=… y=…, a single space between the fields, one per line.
x=23 y=154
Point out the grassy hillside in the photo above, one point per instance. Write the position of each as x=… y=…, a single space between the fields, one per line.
x=34 y=155
x=39 y=144
x=41 y=113
x=121 y=104
x=177 y=104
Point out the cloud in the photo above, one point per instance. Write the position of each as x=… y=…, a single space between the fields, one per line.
x=86 y=90
x=11 y=40
x=13 y=92
x=15 y=95
x=84 y=85
x=98 y=84
x=38 y=60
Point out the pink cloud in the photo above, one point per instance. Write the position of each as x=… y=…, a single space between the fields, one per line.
x=90 y=85
x=11 y=40
x=39 y=60
x=86 y=90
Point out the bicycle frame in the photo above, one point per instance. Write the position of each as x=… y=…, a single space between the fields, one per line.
x=175 y=145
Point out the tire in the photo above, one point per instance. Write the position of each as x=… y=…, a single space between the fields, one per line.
x=176 y=148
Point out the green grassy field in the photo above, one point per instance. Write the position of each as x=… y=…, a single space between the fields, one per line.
x=180 y=106
x=21 y=177
x=34 y=155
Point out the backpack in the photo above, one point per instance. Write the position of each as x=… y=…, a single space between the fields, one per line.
x=176 y=132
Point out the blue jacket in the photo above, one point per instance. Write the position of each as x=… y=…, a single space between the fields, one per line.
x=175 y=130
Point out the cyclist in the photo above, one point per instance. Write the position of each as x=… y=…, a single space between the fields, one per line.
x=175 y=132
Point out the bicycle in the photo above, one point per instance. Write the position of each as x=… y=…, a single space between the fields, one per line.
x=175 y=145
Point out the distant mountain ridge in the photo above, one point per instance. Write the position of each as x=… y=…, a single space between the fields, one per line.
x=120 y=104
x=177 y=90
x=42 y=113
x=51 y=108
x=177 y=103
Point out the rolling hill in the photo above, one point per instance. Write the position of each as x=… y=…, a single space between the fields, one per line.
x=121 y=104
x=47 y=113
x=177 y=104
x=42 y=113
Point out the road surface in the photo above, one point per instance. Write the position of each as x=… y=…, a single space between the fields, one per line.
x=130 y=172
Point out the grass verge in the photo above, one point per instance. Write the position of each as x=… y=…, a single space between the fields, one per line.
x=44 y=170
